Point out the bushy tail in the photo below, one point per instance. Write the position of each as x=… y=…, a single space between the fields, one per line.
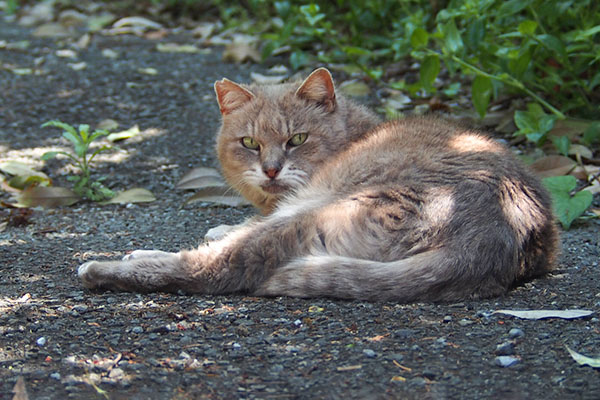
x=428 y=276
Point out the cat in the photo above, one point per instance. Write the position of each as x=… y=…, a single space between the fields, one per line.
x=417 y=209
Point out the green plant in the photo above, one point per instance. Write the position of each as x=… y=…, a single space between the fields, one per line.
x=81 y=139
x=568 y=203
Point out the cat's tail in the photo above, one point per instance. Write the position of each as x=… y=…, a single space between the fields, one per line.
x=428 y=276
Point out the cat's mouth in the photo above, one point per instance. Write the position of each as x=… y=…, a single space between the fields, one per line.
x=274 y=188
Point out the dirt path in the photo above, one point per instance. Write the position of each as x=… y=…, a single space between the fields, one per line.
x=67 y=342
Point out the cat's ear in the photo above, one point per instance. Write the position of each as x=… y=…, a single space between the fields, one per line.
x=231 y=96
x=318 y=87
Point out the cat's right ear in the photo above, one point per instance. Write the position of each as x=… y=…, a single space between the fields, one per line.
x=318 y=87
x=231 y=96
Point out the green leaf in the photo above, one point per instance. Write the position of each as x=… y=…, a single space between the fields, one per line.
x=562 y=144
x=283 y=8
x=74 y=139
x=592 y=134
x=518 y=65
x=527 y=27
x=81 y=149
x=512 y=7
x=355 y=51
x=475 y=34
x=453 y=42
x=298 y=59
x=584 y=35
x=481 y=92
x=419 y=38
x=525 y=121
x=83 y=131
x=567 y=207
x=554 y=44
x=430 y=68
x=62 y=125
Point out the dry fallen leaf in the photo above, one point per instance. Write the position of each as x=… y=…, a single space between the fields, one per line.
x=178 y=48
x=355 y=88
x=66 y=53
x=584 y=360
x=77 y=66
x=542 y=314
x=349 y=368
x=51 y=30
x=221 y=195
x=581 y=151
x=19 y=390
x=376 y=338
x=108 y=124
x=199 y=178
x=242 y=48
x=553 y=166
x=126 y=134
x=265 y=79
x=47 y=196
x=136 y=195
x=138 y=22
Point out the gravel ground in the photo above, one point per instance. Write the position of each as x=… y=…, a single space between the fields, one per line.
x=67 y=342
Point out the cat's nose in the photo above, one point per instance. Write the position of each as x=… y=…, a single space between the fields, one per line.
x=271 y=172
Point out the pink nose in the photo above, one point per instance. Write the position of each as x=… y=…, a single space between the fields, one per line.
x=271 y=172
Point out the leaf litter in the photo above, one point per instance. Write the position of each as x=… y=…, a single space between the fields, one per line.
x=543 y=314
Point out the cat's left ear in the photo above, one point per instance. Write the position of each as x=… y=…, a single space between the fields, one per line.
x=318 y=87
x=230 y=95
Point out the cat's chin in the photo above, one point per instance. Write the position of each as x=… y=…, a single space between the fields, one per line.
x=274 y=188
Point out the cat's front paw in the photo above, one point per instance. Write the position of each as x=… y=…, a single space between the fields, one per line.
x=146 y=254
x=218 y=232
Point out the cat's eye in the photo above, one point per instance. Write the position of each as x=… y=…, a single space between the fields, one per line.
x=298 y=139
x=250 y=143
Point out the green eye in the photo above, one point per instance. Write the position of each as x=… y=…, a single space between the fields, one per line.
x=298 y=139
x=250 y=143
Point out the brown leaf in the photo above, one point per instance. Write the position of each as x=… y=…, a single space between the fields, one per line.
x=19 y=390
x=48 y=197
x=135 y=195
x=349 y=368
x=570 y=128
x=553 y=166
x=222 y=195
x=581 y=150
x=243 y=48
x=199 y=178
x=585 y=172
x=376 y=338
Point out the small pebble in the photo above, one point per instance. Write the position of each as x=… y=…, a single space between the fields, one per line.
x=516 y=333
x=137 y=329
x=292 y=349
x=297 y=322
x=369 y=353
x=506 y=361
x=447 y=318
x=41 y=341
x=505 y=349
x=55 y=375
x=465 y=322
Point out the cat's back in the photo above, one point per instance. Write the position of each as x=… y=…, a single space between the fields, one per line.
x=426 y=151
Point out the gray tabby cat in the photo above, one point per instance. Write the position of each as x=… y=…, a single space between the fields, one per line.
x=415 y=209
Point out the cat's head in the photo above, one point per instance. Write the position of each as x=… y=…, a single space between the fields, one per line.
x=274 y=137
